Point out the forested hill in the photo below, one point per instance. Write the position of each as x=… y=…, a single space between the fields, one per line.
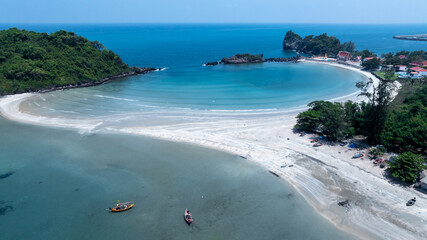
x=316 y=45
x=31 y=61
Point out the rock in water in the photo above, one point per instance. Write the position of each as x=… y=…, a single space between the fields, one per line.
x=5 y=175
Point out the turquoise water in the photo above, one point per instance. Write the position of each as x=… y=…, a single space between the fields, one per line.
x=262 y=87
x=63 y=181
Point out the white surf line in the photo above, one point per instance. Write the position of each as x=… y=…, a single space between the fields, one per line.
x=10 y=109
x=264 y=140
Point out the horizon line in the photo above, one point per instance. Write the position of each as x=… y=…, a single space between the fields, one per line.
x=207 y=23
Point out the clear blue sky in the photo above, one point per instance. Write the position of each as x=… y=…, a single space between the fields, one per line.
x=213 y=11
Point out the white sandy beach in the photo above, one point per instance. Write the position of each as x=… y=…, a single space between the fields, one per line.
x=324 y=175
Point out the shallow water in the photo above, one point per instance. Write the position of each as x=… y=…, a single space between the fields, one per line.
x=64 y=181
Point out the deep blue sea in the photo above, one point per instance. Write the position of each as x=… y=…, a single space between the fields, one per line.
x=179 y=45
x=63 y=180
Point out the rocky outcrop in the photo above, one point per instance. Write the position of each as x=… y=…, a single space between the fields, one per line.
x=247 y=58
x=211 y=63
x=135 y=71
x=244 y=58
x=292 y=59
x=292 y=41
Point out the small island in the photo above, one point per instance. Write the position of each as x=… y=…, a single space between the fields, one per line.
x=31 y=61
x=244 y=58
x=415 y=37
x=248 y=58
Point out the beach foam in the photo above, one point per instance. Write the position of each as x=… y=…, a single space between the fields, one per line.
x=264 y=140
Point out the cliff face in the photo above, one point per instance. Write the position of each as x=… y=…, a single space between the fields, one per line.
x=292 y=41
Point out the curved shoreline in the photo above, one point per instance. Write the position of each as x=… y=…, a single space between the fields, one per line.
x=265 y=141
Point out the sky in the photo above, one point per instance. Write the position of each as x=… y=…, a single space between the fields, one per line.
x=214 y=11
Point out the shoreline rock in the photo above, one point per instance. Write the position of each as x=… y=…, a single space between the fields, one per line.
x=211 y=63
x=244 y=58
x=247 y=58
x=136 y=71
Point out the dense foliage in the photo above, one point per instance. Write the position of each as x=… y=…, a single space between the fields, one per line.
x=316 y=45
x=404 y=57
x=371 y=64
x=364 y=54
x=324 y=117
x=406 y=126
x=407 y=166
x=31 y=61
x=251 y=57
x=336 y=120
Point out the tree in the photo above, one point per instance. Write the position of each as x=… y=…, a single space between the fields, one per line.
x=406 y=126
x=371 y=64
x=308 y=120
x=349 y=46
x=324 y=117
x=376 y=110
x=364 y=54
x=407 y=166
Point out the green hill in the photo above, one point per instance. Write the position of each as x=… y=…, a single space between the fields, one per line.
x=31 y=61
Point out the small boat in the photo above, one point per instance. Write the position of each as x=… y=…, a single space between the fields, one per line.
x=359 y=155
x=411 y=202
x=318 y=144
x=314 y=140
x=122 y=207
x=187 y=216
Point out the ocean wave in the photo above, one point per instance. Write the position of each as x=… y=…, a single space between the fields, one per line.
x=116 y=98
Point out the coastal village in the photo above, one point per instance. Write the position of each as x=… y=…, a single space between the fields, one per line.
x=355 y=149
x=414 y=70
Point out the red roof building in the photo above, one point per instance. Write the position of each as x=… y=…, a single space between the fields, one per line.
x=370 y=58
x=416 y=64
x=418 y=69
x=424 y=63
x=343 y=56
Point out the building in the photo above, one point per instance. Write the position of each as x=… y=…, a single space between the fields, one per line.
x=343 y=56
x=416 y=64
x=415 y=75
x=421 y=71
x=400 y=68
x=402 y=56
x=370 y=58
x=386 y=68
x=424 y=64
